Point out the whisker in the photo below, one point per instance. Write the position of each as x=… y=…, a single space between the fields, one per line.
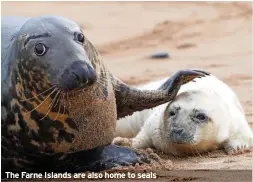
x=42 y=102
x=52 y=103
x=192 y=151
x=102 y=82
x=38 y=94
x=103 y=79
x=196 y=149
x=58 y=99
x=64 y=106
x=100 y=89
x=59 y=107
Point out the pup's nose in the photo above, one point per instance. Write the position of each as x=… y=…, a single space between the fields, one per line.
x=178 y=131
x=78 y=75
x=177 y=135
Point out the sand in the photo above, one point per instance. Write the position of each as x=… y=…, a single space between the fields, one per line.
x=216 y=37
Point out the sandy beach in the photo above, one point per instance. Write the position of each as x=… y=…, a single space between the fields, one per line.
x=216 y=37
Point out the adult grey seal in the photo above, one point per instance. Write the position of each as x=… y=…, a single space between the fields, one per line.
x=204 y=116
x=60 y=103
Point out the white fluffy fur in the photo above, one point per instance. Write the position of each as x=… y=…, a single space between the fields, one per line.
x=228 y=129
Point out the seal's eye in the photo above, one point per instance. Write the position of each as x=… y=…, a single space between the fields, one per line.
x=80 y=37
x=40 y=49
x=172 y=113
x=201 y=116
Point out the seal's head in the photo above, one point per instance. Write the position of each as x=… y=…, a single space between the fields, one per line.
x=50 y=51
x=56 y=86
x=200 y=117
x=190 y=121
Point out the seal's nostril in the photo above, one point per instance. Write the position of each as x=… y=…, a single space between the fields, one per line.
x=179 y=131
x=76 y=77
x=86 y=82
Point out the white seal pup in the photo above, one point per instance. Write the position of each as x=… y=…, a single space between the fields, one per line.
x=205 y=115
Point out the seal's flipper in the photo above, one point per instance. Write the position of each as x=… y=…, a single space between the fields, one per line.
x=130 y=100
x=99 y=159
x=239 y=143
x=236 y=147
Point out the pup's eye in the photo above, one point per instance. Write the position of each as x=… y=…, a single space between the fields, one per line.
x=40 y=49
x=172 y=113
x=79 y=37
x=201 y=116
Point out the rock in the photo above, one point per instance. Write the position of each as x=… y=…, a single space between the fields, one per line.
x=160 y=55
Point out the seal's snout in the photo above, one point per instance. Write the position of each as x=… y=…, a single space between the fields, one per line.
x=179 y=135
x=78 y=75
x=176 y=133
